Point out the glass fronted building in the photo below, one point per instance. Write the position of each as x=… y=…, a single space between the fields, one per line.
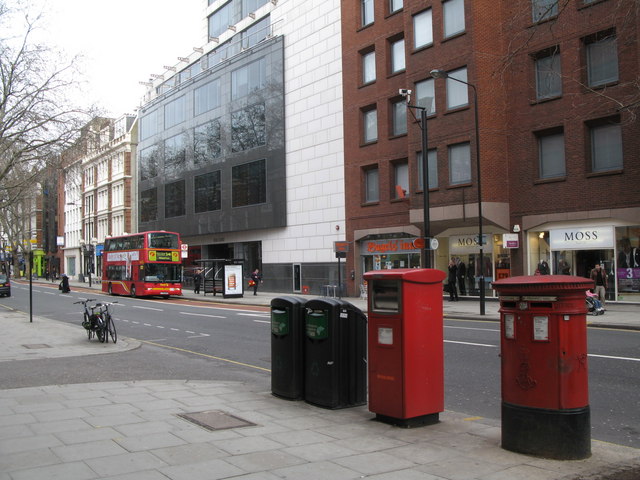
x=240 y=147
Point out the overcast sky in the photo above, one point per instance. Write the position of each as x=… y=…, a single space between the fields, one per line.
x=122 y=42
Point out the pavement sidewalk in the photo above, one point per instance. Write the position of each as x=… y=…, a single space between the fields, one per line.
x=617 y=315
x=134 y=429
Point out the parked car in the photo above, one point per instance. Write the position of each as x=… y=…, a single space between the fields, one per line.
x=5 y=285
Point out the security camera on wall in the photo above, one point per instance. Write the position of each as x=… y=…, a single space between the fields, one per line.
x=404 y=92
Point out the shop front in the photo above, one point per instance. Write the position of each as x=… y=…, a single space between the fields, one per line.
x=575 y=250
x=464 y=250
x=389 y=253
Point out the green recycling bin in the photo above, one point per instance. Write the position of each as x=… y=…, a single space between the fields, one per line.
x=335 y=349
x=287 y=342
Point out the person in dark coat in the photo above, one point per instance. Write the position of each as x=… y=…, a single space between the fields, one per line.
x=256 y=278
x=453 y=274
x=64 y=284
x=197 y=281
x=462 y=277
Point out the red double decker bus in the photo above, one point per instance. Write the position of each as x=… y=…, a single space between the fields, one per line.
x=142 y=264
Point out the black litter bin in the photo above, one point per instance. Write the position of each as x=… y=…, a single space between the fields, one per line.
x=287 y=342
x=335 y=366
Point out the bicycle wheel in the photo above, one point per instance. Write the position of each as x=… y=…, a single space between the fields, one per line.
x=101 y=329
x=86 y=323
x=111 y=328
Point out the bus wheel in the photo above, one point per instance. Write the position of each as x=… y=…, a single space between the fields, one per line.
x=133 y=290
x=110 y=289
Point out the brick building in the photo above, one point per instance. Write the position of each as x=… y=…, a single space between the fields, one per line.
x=557 y=93
x=96 y=192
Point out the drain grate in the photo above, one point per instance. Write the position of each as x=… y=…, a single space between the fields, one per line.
x=33 y=346
x=216 y=420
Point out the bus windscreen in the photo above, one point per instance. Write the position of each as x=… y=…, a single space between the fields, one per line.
x=163 y=240
x=162 y=273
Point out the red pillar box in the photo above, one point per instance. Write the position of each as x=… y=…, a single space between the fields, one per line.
x=545 y=394
x=406 y=355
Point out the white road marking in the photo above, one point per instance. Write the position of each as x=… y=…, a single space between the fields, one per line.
x=200 y=315
x=471 y=328
x=472 y=344
x=610 y=357
x=631 y=359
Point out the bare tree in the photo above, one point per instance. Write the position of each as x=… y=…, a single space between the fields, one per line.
x=36 y=119
x=547 y=17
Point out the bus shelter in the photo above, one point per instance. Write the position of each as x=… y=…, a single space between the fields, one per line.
x=222 y=275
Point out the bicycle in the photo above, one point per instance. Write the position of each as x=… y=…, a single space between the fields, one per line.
x=98 y=321
x=110 y=326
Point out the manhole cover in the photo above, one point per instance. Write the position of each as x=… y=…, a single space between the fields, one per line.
x=216 y=420
x=33 y=346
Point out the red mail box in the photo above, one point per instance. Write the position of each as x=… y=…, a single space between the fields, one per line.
x=545 y=393
x=406 y=354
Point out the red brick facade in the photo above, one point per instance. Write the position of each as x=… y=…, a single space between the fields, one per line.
x=498 y=47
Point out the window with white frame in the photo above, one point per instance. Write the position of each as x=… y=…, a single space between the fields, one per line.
x=544 y=9
x=551 y=155
x=103 y=228
x=369 y=67
x=422 y=29
x=117 y=225
x=459 y=164
x=426 y=95
x=370 y=125
x=457 y=93
x=397 y=56
x=89 y=176
x=371 y=185
x=602 y=60
x=606 y=147
x=395 y=5
x=453 y=11
x=432 y=159
x=117 y=163
x=103 y=170
x=401 y=179
x=89 y=205
x=399 y=116
x=367 y=12
x=548 y=74
x=117 y=195
x=103 y=199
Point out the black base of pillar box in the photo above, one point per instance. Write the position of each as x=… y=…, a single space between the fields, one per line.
x=414 y=422
x=557 y=434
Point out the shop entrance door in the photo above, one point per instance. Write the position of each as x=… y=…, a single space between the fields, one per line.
x=586 y=260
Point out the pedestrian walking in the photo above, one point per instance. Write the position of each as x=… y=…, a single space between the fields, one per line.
x=256 y=278
x=599 y=276
x=453 y=275
x=197 y=281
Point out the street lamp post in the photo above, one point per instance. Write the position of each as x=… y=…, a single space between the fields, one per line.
x=442 y=74
x=425 y=177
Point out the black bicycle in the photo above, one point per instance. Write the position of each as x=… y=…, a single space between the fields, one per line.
x=98 y=320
